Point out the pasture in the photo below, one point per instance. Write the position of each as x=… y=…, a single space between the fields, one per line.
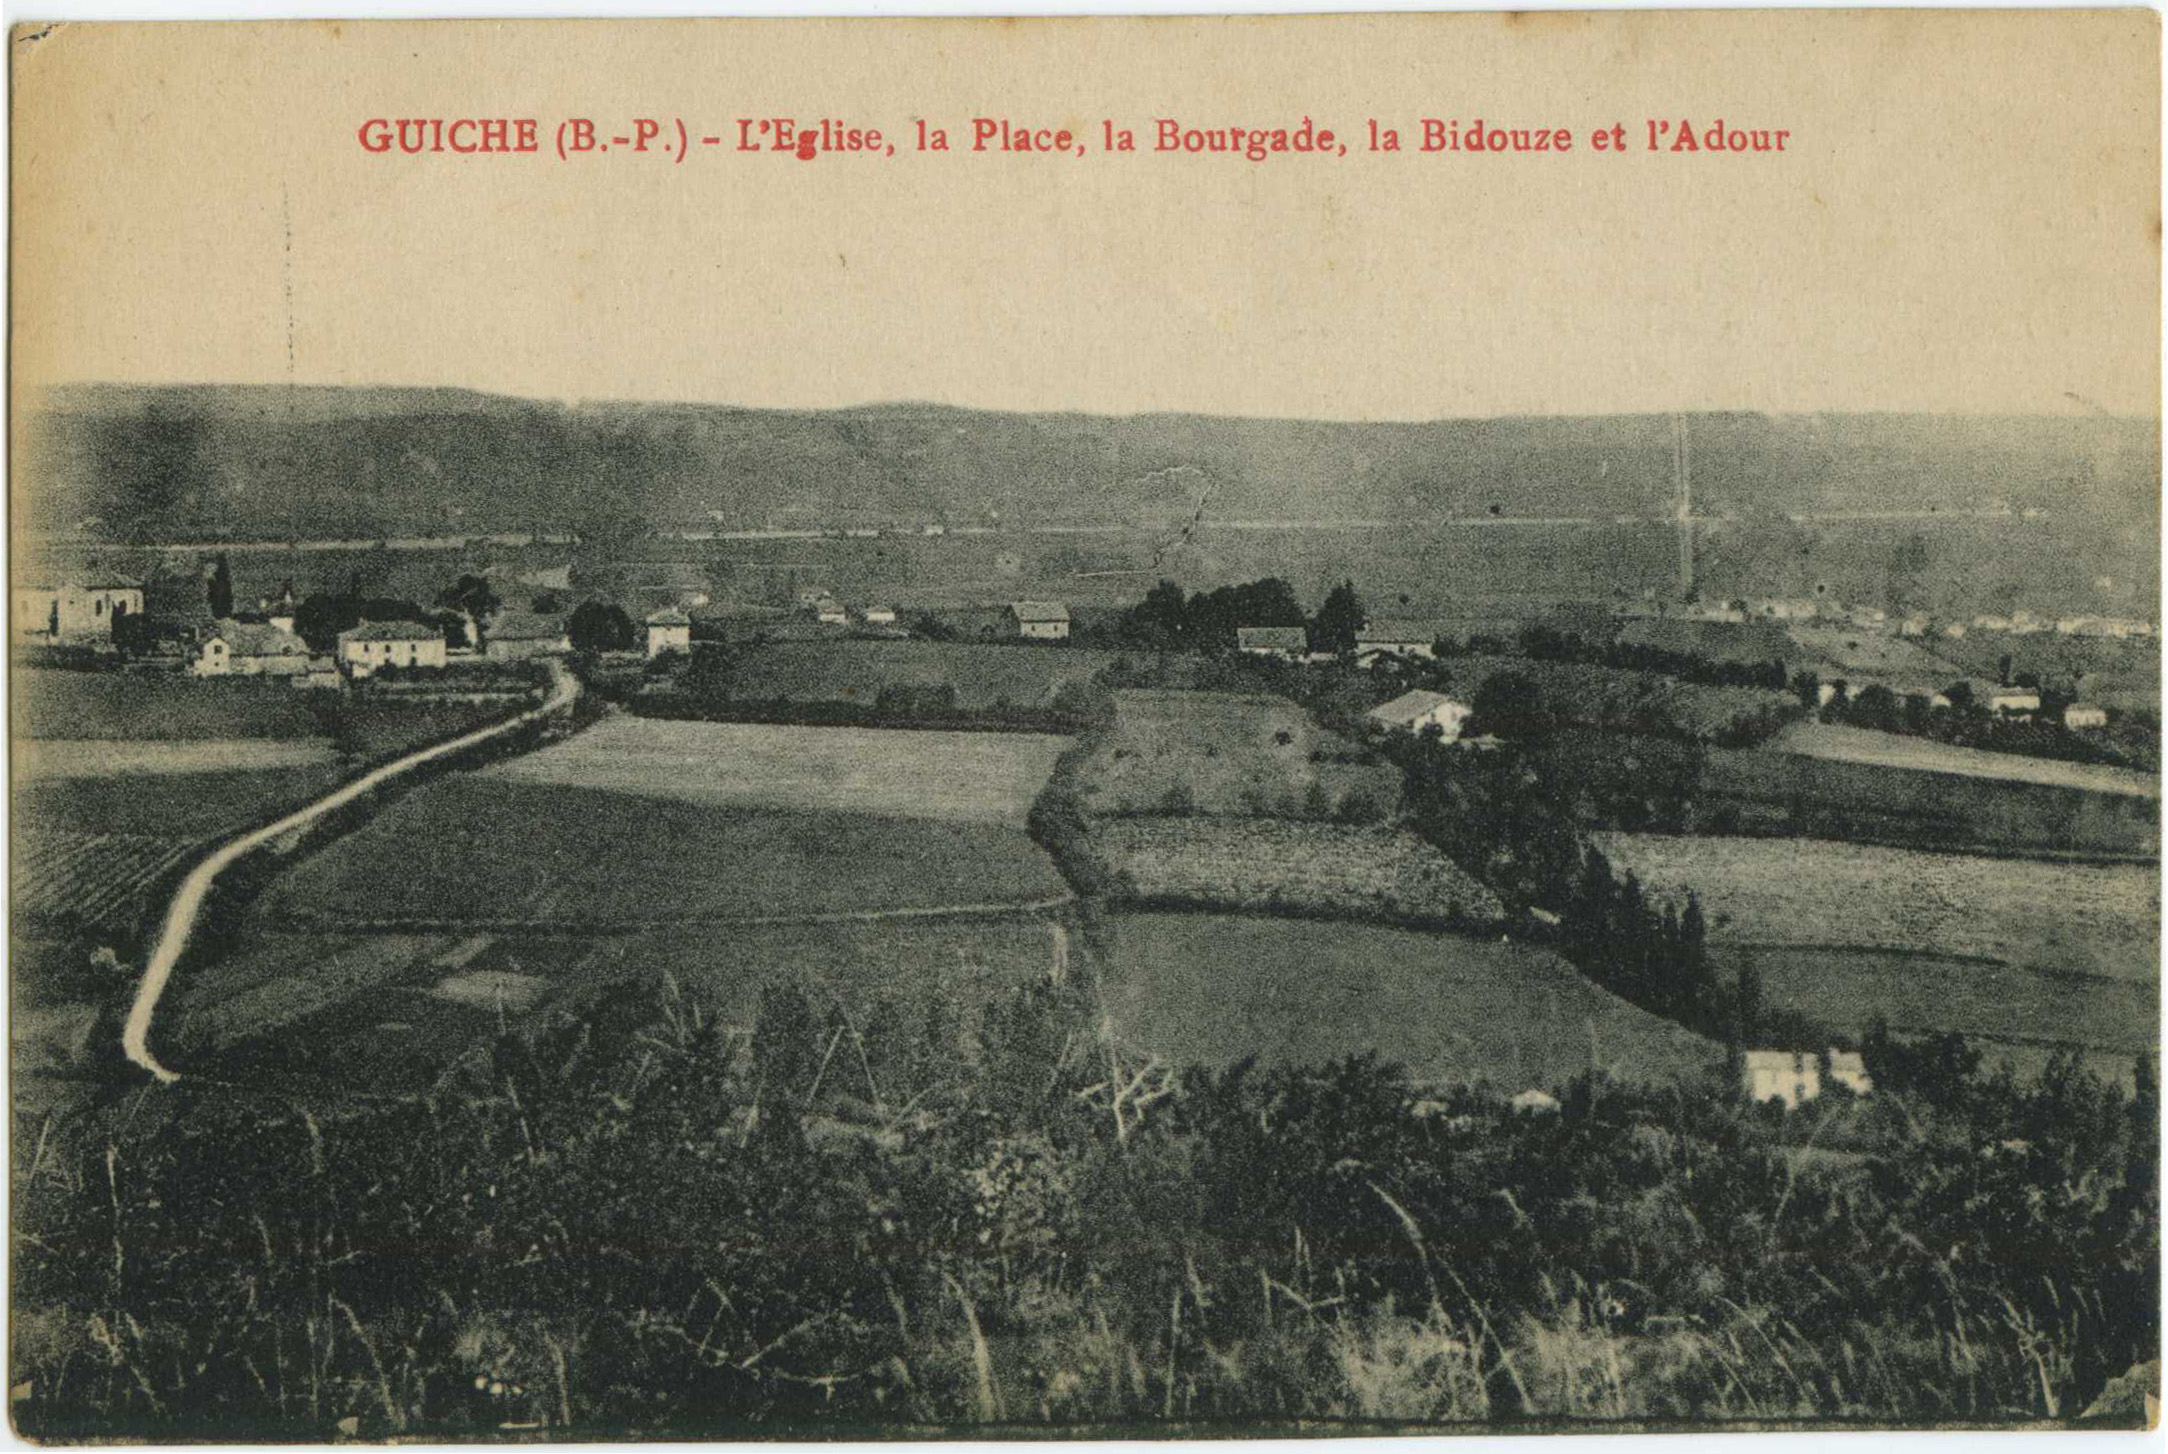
x=1612 y=699
x=858 y=671
x=1213 y=989
x=485 y=850
x=1835 y=742
x=966 y=777
x=1750 y=643
x=1230 y=754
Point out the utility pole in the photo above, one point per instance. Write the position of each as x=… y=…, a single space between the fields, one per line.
x=1681 y=469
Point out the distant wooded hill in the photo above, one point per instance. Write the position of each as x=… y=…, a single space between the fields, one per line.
x=220 y=462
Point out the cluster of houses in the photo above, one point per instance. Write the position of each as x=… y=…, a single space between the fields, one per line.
x=1915 y=624
x=1022 y=620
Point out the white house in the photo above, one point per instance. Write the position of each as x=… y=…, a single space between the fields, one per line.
x=2083 y=714
x=1796 y=1077
x=1040 y=620
x=75 y=610
x=249 y=650
x=880 y=615
x=374 y=645
x=1289 y=643
x=830 y=612
x=1416 y=710
x=669 y=630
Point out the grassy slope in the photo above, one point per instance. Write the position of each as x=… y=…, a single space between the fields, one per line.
x=856 y=671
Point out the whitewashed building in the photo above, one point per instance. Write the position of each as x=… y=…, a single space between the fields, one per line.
x=242 y=649
x=1040 y=620
x=77 y=610
x=669 y=630
x=374 y=645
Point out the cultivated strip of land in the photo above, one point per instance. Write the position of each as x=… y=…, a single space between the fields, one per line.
x=187 y=906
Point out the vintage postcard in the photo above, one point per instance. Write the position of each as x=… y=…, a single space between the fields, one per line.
x=1094 y=727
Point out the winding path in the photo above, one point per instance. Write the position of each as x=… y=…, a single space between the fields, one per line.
x=187 y=905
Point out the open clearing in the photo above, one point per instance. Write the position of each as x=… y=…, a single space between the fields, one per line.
x=490 y=851
x=1213 y=988
x=2101 y=919
x=972 y=777
x=1837 y=743
x=48 y=704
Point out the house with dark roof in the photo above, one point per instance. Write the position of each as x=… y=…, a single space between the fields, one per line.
x=1380 y=639
x=523 y=635
x=1040 y=620
x=243 y=649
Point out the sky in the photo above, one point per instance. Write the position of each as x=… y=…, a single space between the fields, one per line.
x=1966 y=216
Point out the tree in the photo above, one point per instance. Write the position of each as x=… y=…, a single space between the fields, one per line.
x=319 y=620
x=472 y=597
x=1509 y=704
x=221 y=589
x=600 y=626
x=1338 y=621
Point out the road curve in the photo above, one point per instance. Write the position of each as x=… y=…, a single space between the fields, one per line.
x=187 y=905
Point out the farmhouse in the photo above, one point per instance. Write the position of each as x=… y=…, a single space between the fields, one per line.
x=1289 y=643
x=1794 y=1077
x=2013 y=702
x=374 y=645
x=523 y=635
x=880 y=615
x=240 y=650
x=1040 y=620
x=669 y=630
x=74 y=610
x=1414 y=711
x=830 y=612
x=2084 y=714
x=1380 y=639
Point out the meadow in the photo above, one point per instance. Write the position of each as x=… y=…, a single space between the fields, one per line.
x=1844 y=651
x=485 y=850
x=1615 y=700
x=1215 y=988
x=967 y=777
x=1835 y=742
x=2117 y=673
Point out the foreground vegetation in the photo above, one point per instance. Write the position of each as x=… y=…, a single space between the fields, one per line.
x=644 y=1221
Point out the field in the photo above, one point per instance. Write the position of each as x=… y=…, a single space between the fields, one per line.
x=81 y=757
x=1226 y=752
x=144 y=706
x=1256 y=863
x=2029 y=955
x=971 y=777
x=2097 y=669
x=2094 y=919
x=1763 y=793
x=857 y=671
x=490 y=851
x=1749 y=642
x=1859 y=656
x=1837 y=743
x=1211 y=988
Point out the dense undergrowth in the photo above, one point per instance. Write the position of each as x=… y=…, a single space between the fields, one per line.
x=638 y=1220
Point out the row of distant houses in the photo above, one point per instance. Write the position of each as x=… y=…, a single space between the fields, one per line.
x=1027 y=620
x=271 y=648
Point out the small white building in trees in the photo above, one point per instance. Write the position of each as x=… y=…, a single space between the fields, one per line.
x=1416 y=710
